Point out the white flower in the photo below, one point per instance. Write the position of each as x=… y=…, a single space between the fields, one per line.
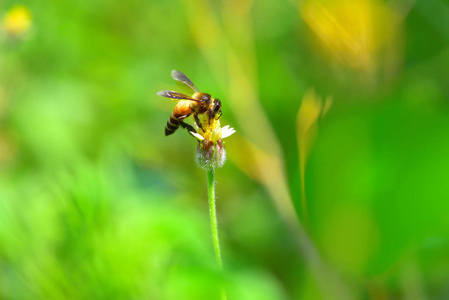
x=210 y=152
x=213 y=135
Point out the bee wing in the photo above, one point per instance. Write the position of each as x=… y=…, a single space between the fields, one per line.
x=174 y=95
x=178 y=76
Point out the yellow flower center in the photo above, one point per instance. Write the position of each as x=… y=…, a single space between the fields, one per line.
x=212 y=129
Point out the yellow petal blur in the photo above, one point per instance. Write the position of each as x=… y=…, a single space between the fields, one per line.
x=352 y=33
x=17 y=21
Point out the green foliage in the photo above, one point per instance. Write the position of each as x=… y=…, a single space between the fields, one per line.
x=96 y=203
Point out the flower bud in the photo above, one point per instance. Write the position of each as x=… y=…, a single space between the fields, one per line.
x=210 y=151
x=210 y=155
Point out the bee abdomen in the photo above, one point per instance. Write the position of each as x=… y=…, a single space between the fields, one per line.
x=172 y=125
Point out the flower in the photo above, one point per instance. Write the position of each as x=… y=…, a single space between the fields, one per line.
x=210 y=152
x=216 y=134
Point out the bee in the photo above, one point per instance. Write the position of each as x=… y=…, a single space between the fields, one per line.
x=197 y=104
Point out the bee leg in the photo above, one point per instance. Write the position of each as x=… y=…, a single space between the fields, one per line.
x=197 y=121
x=219 y=114
x=187 y=126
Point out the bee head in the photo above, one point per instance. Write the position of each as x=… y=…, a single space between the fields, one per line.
x=206 y=98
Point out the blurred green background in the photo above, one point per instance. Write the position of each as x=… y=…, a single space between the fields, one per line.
x=336 y=184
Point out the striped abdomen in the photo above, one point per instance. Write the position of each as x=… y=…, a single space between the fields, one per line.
x=172 y=125
x=182 y=110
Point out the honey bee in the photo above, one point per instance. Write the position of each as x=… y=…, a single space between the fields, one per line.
x=197 y=104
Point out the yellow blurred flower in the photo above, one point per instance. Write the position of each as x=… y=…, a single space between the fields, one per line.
x=17 y=21
x=351 y=32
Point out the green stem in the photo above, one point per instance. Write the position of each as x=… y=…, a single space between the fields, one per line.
x=213 y=215
x=213 y=220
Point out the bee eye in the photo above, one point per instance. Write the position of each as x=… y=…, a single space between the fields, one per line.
x=217 y=105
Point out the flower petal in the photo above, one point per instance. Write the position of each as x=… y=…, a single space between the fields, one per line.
x=197 y=135
x=215 y=134
x=227 y=131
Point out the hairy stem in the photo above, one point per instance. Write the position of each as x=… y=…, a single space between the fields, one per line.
x=213 y=220
x=213 y=214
